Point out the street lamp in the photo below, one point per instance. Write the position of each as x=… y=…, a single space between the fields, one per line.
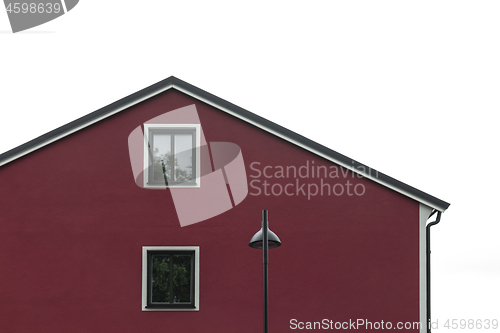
x=265 y=239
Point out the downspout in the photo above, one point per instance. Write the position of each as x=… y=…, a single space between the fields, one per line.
x=428 y=243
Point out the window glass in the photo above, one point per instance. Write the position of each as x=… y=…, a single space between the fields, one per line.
x=171 y=278
x=162 y=156
x=183 y=157
x=172 y=156
x=182 y=279
x=160 y=289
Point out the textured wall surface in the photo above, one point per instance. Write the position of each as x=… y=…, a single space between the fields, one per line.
x=73 y=223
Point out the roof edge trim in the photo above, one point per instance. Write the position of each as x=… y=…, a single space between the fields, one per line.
x=381 y=178
x=234 y=110
x=77 y=125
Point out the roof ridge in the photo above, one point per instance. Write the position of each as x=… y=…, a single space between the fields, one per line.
x=280 y=131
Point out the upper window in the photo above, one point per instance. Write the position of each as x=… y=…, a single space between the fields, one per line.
x=172 y=155
x=170 y=278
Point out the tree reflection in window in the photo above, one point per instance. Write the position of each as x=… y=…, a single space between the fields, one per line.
x=172 y=156
x=171 y=278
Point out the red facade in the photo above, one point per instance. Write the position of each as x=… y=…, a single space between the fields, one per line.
x=73 y=223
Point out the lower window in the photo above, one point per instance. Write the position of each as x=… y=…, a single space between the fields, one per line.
x=170 y=277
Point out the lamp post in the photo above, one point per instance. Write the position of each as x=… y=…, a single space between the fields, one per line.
x=265 y=239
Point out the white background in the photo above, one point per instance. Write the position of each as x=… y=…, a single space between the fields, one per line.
x=410 y=89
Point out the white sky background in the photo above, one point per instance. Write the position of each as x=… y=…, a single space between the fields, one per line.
x=410 y=89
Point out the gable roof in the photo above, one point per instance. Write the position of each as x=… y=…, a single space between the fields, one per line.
x=175 y=83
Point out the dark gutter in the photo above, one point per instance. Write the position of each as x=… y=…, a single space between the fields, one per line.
x=428 y=265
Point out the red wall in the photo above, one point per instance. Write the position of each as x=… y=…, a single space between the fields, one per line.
x=73 y=223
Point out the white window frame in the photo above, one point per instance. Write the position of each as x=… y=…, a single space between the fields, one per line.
x=197 y=128
x=196 y=250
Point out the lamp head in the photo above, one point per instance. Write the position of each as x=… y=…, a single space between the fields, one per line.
x=257 y=241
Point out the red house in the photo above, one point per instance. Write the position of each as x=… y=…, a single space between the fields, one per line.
x=137 y=218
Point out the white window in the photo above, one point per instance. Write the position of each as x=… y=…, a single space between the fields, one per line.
x=170 y=278
x=172 y=155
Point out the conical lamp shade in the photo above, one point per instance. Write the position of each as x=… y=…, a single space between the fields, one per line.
x=257 y=240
